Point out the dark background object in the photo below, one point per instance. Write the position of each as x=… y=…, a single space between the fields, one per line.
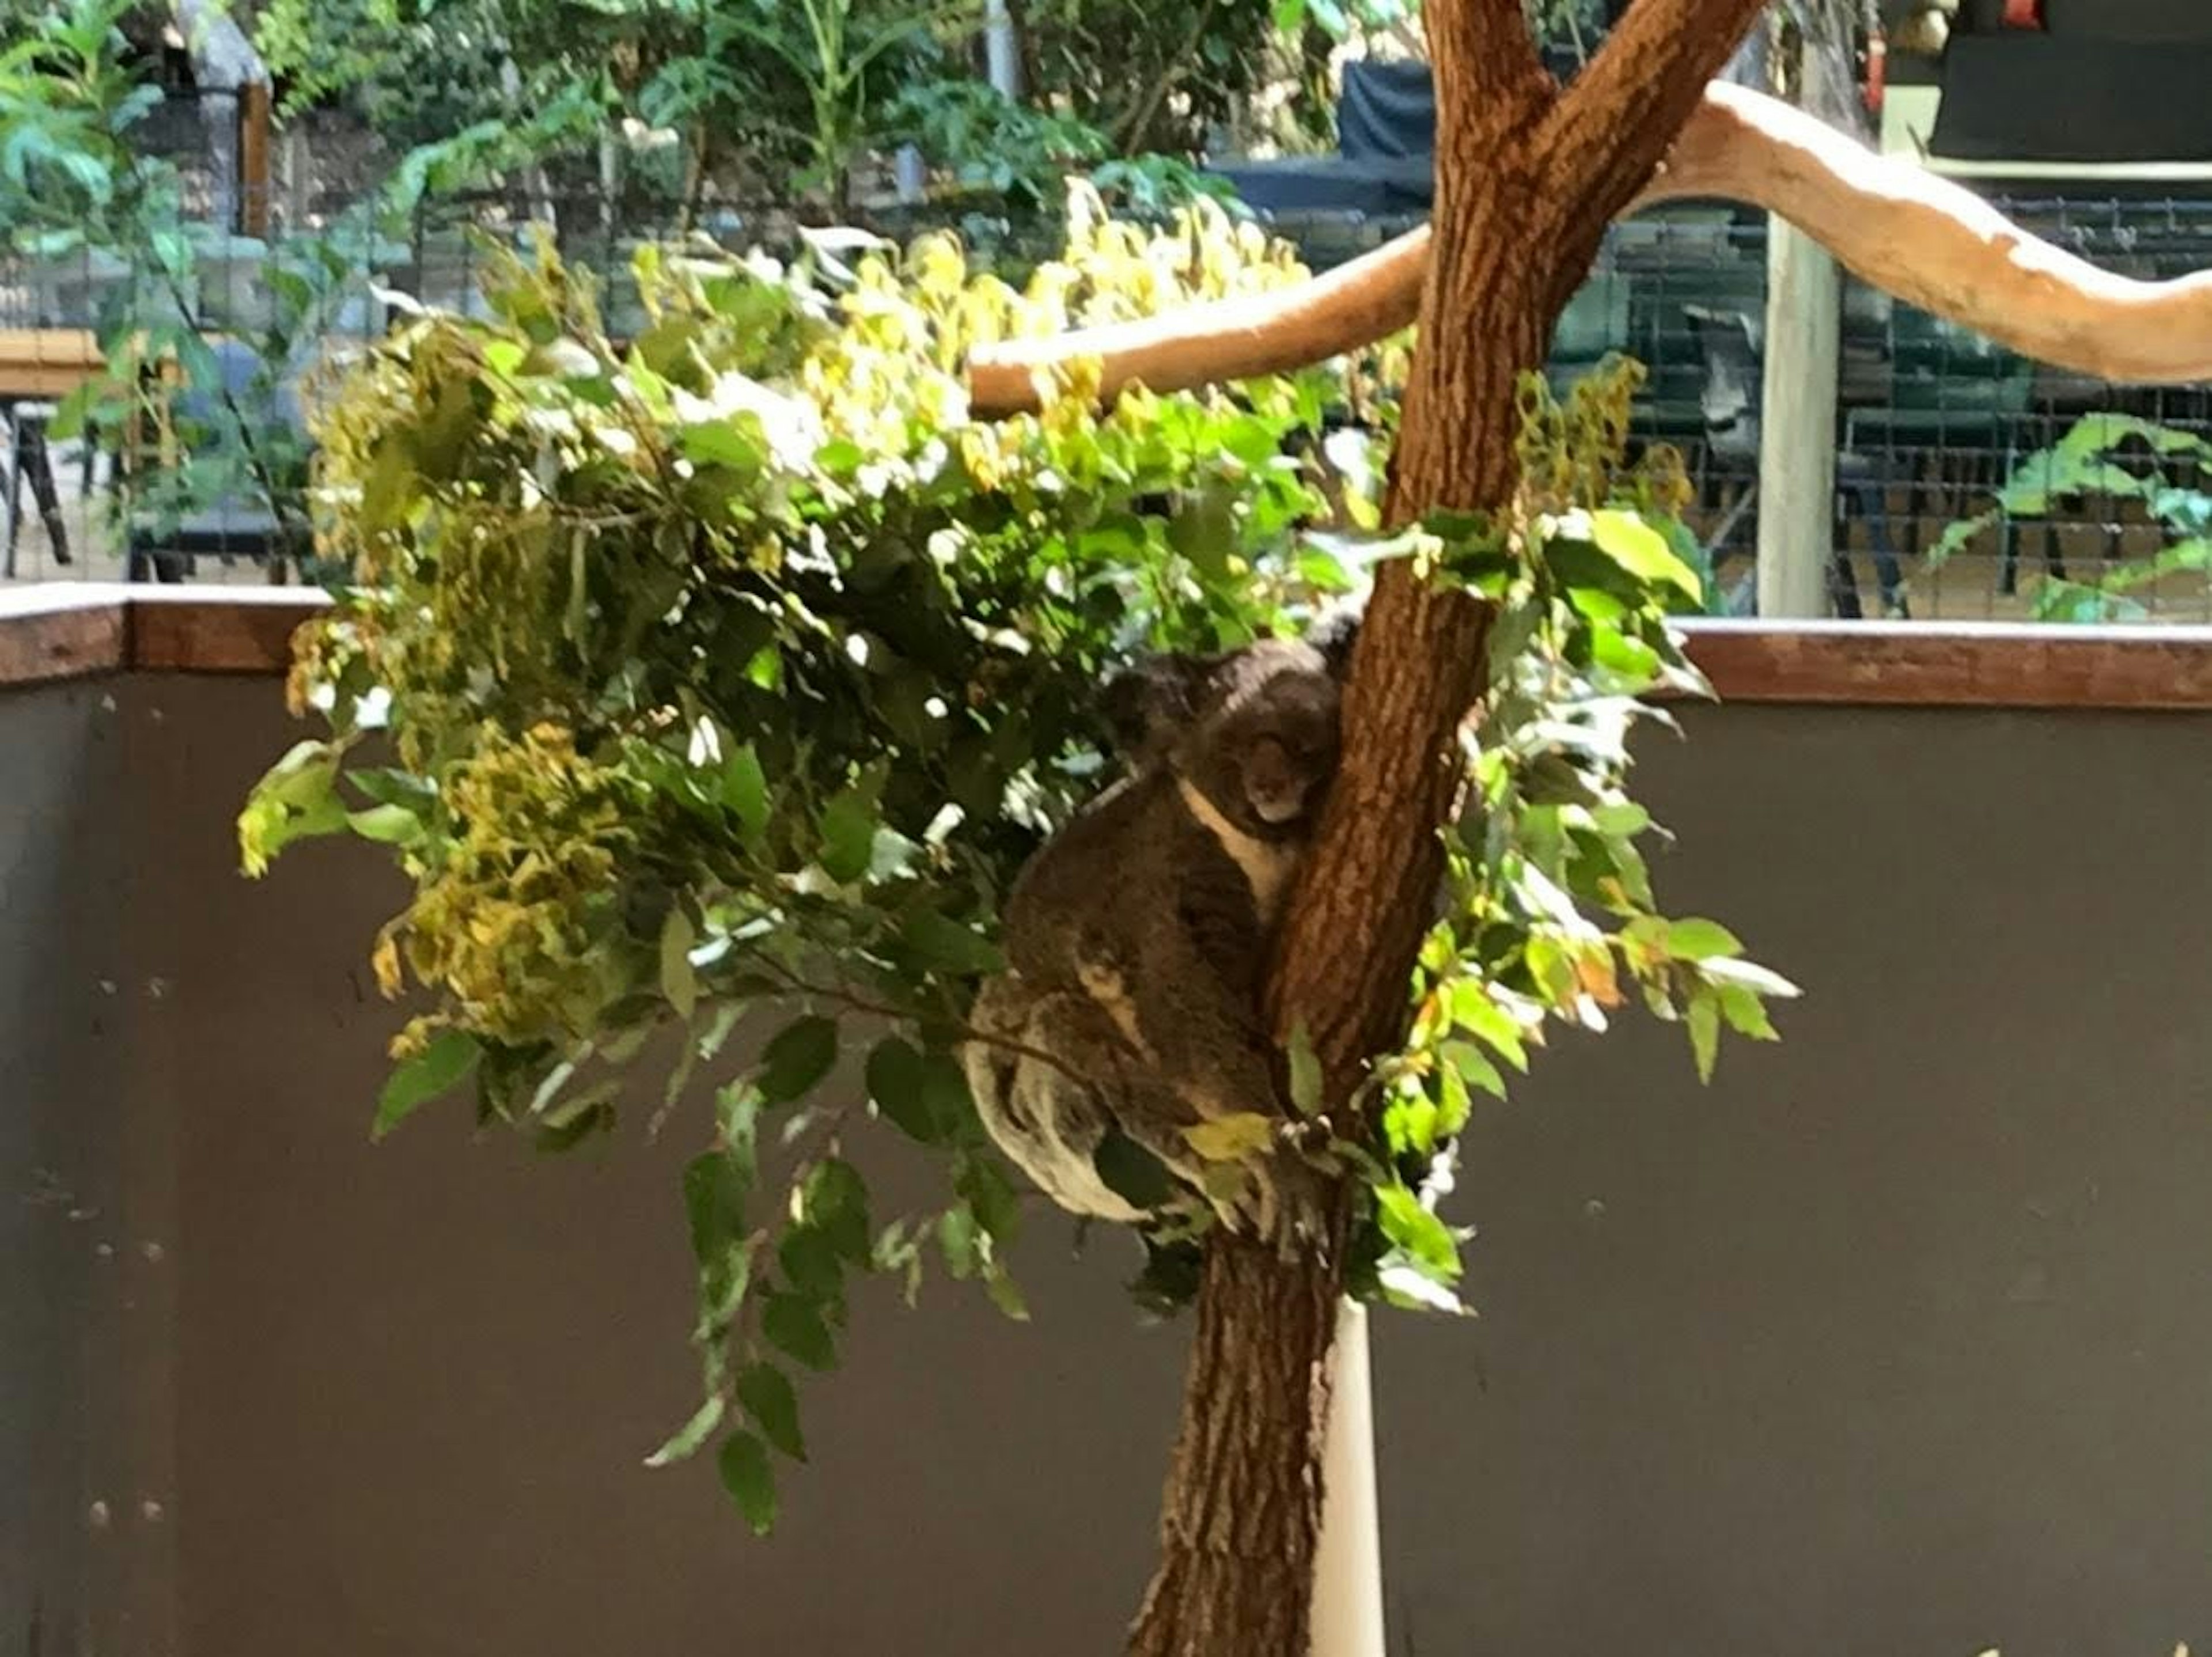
x=2121 y=100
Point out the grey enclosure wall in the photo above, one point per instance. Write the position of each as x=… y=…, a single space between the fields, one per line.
x=1898 y=1339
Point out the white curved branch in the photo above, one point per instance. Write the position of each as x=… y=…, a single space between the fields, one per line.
x=1902 y=228
x=1938 y=245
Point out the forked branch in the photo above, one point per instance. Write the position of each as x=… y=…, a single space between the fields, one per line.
x=1906 y=231
x=1645 y=79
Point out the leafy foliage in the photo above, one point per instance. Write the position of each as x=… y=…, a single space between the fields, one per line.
x=988 y=141
x=1549 y=915
x=733 y=671
x=1153 y=74
x=737 y=669
x=2120 y=457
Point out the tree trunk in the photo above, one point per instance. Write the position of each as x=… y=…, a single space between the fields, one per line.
x=1527 y=181
x=1242 y=1509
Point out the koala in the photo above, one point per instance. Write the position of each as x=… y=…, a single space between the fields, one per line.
x=1138 y=936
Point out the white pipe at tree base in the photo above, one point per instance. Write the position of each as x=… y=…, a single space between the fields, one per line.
x=1347 y=1603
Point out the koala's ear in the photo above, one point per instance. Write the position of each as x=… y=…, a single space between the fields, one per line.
x=1333 y=632
x=1147 y=704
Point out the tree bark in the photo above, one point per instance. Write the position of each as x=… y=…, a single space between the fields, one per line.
x=1526 y=182
x=1242 y=1509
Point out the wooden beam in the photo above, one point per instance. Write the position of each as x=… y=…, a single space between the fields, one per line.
x=51 y=633
x=46 y=364
x=60 y=629
x=181 y=632
x=1936 y=664
x=253 y=150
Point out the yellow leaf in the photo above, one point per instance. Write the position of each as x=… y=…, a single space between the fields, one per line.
x=1594 y=973
x=1231 y=1139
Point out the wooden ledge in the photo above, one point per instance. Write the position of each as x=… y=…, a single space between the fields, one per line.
x=63 y=630
x=1956 y=665
x=66 y=630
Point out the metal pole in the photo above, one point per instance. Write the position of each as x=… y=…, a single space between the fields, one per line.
x=1001 y=50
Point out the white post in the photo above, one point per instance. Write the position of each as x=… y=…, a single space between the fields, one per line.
x=1797 y=425
x=1001 y=50
x=1347 y=1608
x=1797 y=418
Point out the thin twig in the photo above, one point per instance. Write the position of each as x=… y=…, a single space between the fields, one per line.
x=908 y=1016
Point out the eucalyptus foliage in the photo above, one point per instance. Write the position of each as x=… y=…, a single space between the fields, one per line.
x=736 y=668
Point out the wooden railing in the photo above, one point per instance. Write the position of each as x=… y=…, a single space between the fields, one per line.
x=63 y=630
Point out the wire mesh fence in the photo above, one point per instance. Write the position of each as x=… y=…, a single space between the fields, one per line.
x=1971 y=483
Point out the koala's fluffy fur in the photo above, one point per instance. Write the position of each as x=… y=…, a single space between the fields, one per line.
x=1138 y=937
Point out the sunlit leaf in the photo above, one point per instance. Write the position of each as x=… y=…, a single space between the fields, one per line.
x=1230 y=1138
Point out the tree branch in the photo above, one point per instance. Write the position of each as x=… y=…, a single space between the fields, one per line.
x=1368 y=299
x=1938 y=245
x=1647 y=77
x=1490 y=38
x=1928 y=242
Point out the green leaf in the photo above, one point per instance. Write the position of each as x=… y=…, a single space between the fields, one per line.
x=1473 y=1009
x=834 y=1202
x=996 y=1207
x=1746 y=1013
x=1426 y=1240
x=961 y=1238
x=1471 y=1065
x=715 y=1184
x=751 y=1482
x=809 y=1259
x=1643 y=551
x=440 y=1066
x=797 y=1057
x=723 y=1283
x=1204 y=529
x=1700 y=940
x=1006 y=1294
x=691 y=1437
x=793 y=1326
x=389 y=825
x=1704 y=1018
x=848 y=835
x=678 y=983
x=766 y=1393
x=722 y=443
x=949 y=944
x=894 y=1075
x=1413 y=1289
x=945 y=1091
x=1746 y=975
x=744 y=791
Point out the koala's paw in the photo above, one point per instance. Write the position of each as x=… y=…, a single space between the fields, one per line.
x=1279 y=1199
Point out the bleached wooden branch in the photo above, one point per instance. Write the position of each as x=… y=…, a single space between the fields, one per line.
x=1909 y=232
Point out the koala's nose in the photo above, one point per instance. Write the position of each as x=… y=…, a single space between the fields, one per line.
x=1276 y=787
